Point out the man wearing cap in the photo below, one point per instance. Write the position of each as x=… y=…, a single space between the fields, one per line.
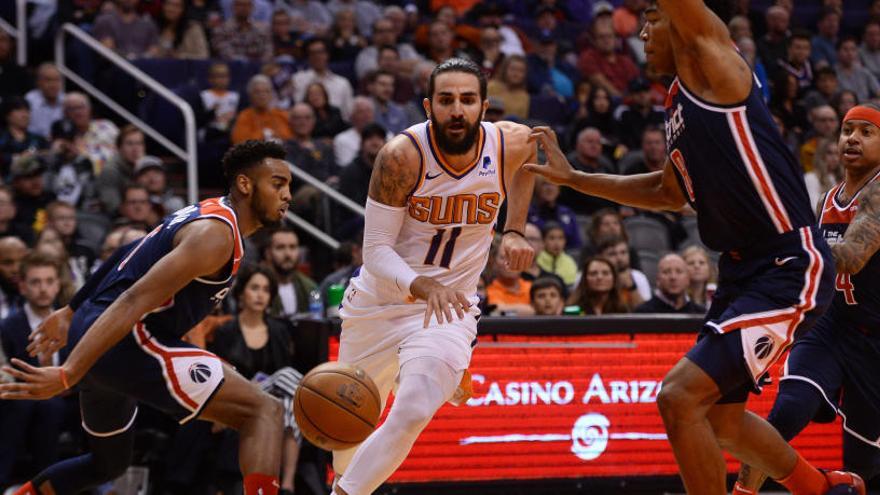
x=545 y=75
x=638 y=114
x=149 y=172
x=31 y=196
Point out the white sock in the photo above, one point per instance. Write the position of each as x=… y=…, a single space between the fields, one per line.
x=425 y=384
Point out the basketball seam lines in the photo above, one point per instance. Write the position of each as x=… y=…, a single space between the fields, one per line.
x=328 y=399
x=312 y=423
x=375 y=395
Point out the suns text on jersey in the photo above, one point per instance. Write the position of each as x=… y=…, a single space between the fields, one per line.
x=456 y=209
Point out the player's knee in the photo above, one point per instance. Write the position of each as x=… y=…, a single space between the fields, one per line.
x=412 y=417
x=675 y=402
x=270 y=408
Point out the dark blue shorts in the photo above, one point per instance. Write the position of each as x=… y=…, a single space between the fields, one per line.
x=843 y=363
x=166 y=373
x=766 y=297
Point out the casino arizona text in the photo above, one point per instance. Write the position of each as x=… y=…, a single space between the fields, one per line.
x=515 y=393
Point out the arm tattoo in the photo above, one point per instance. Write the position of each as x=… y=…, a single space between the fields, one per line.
x=393 y=178
x=862 y=238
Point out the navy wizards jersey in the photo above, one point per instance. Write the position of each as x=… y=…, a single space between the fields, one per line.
x=196 y=300
x=857 y=297
x=734 y=169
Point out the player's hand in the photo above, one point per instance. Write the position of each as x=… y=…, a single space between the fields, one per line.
x=51 y=334
x=32 y=383
x=439 y=298
x=517 y=251
x=557 y=169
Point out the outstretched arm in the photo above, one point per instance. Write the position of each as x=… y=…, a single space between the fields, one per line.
x=652 y=191
x=862 y=238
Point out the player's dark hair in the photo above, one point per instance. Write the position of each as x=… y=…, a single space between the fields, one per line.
x=246 y=273
x=545 y=283
x=457 y=64
x=242 y=157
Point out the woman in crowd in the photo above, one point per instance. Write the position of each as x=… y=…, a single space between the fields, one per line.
x=597 y=293
x=599 y=114
x=786 y=105
x=509 y=85
x=328 y=119
x=179 y=36
x=703 y=274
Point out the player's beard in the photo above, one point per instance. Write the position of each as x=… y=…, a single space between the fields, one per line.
x=263 y=211
x=451 y=146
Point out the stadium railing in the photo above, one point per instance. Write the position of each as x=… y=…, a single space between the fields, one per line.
x=328 y=194
x=19 y=31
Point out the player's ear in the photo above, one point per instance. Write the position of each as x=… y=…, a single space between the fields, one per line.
x=485 y=109
x=426 y=104
x=244 y=184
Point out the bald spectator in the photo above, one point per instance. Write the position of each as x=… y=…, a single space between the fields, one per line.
x=672 y=285
x=95 y=138
x=307 y=153
x=45 y=100
x=241 y=37
x=12 y=251
x=388 y=113
x=772 y=46
x=119 y=172
x=383 y=34
x=604 y=66
x=587 y=157
x=126 y=31
x=338 y=88
x=260 y=120
x=346 y=144
x=824 y=121
x=850 y=73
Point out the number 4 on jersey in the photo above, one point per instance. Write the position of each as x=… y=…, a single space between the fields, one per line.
x=844 y=284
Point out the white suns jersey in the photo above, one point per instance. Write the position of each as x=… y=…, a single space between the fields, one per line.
x=451 y=217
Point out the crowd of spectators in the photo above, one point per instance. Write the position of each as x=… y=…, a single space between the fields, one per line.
x=334 y=80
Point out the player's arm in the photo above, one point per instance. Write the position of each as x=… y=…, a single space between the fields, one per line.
x=186 y=261
x=520 y=185
x=862 y=238
x=692 y=20
x=652 y=191
x=395 y=175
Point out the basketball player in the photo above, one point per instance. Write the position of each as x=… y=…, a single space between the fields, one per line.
x=124 y=335
x=410 y=316
x=840 y=356
x=728 y=161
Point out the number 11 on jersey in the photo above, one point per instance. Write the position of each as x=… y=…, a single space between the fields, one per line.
x=447 y=250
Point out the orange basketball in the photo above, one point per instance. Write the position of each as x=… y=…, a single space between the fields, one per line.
x=337 y=406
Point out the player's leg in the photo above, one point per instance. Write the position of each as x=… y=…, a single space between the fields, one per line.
x=258 y=418
x=289 y=458
x=425 y=384
x=861 y=458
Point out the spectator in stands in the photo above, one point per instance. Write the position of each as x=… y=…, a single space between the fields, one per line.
x=49 y=243
x=489 y=55
x=749 y=51
x=180 y=36
x=282 y=254
x=45 y=100
x=626 y=17
x=604 y=66
x=365 y=12
x=546 y=208
x=329 y=119
x=70 y=172
x=15 y=139
x=510 y=86
x=346 y=260
x=12 y=251
x=317 y=18
x=772 y=46
x=355 y=178
x=553 y=258
x=31 y=196
x=315 y=157
x=597 y=292
x=844 y=101
x=826 y=169
x=388 y=113
x=346 y=39
x=825 y=41
x=384 y=35
x=16 y=80
x=241 y=38
x=851 y=74
x=420 y=77
x=30 y=426
x=61 y=217
x=389 y=61
x=258 y=345
x=150 y=172
x=632 y=284
x=119 y=236
x=824 y=123
x=546 y=296
x=7 y=213
x=639 y=114
x=286 y=41
x=599 y=114
x=587 y=157
x=338 y=88
x=826 y=87
x=869 y=50
x=545 y=71
x=797 y=59
x=703 y=275
x=652 y=155
x=96 y=138
x=261 y=120
x=218 y=102
x=136 y=209
x=493 y=14
x=441 y=42
x=786 y=105
x=119 y=172
x=126 y=31
x=536 y=240
x=261 y=10
x=494 y=112
x=509 y=292
x=671 y=295
x=740 y=28
x=347 y=144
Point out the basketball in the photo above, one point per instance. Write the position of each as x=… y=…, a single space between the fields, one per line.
x=337 y=406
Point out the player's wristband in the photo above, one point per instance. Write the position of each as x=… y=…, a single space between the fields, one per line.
x=738 y=489
x=513 y=231
x=64 y=379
